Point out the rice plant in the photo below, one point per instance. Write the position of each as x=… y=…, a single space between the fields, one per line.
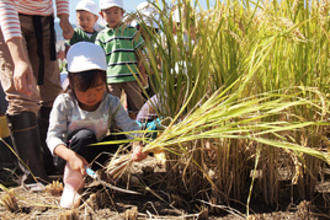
x=246 y=87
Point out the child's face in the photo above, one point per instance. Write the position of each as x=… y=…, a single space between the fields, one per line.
x=86 y=20
x=112 y=16
x=90 y=99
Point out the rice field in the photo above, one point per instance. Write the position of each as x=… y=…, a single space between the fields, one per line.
x=244 y=90
x=245 y=93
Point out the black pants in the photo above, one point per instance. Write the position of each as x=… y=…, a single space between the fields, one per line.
x=80 y=141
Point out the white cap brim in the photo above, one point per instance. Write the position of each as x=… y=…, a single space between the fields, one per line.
x=84 y=56
x=106 y=6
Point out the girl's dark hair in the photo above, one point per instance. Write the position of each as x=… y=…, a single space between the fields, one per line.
x=87 y=79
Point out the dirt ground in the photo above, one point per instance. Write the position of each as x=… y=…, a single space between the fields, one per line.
x=100 y=202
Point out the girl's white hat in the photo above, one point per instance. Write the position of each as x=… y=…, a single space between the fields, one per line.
x=88 y=5
x=84 y=56
x=104 y=4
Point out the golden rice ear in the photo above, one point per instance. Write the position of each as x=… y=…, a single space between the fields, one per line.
x=131 y=214
x=9 y=201
x=55 y=188
x=69 y=215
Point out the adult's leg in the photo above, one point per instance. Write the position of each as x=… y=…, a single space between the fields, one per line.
x=4 y=131
x=3 y=102
x=21 y=114
x=50 y=88
x=26 y=141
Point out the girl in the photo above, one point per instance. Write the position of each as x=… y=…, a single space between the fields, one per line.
x=82 y=116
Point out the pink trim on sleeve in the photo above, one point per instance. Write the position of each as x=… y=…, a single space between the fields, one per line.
x=62 y=7
x=9 y=22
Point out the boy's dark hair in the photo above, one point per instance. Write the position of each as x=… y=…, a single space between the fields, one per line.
x=87 y=79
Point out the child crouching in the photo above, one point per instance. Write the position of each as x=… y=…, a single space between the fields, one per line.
x=83 y=116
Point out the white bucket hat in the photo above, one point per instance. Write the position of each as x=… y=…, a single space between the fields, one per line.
x=84 y=56
x=176 y=16
x=148 y=13
x=88 y=5
x=104 y=4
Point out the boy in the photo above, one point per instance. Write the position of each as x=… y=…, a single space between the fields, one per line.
x=122 y=45
x=87 y=15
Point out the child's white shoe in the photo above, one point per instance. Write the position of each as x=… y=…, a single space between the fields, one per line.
x=73 y=182
x=70 y=198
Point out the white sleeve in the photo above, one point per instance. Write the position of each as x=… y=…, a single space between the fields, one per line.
x=58 y=124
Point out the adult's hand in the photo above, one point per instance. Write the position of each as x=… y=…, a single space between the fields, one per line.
x=23 y=78
x=24 y=81
x=66 y=26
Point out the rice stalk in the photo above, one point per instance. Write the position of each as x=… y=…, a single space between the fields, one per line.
x=253 y=74
x=9 y=201
x=324 y=13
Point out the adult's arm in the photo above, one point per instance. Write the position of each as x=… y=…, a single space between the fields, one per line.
x=11 y=30
x=66 y=26
x=62 y=8
x=23 y=74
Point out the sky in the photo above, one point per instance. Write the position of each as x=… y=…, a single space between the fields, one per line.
x=129 y=5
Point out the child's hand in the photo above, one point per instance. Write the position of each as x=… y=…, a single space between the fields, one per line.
x=137 y=154
x=77 y=163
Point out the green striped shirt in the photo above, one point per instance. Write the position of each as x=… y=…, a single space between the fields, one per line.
x=120 y=45
x=80 y=35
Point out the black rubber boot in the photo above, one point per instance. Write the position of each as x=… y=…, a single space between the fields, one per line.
x=43 y=121
x=26 y=141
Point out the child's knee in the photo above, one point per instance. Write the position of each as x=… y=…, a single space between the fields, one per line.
x=83 y=137
x=80 y=143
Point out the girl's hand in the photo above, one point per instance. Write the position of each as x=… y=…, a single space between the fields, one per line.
x=77 y=163
x=137 y=154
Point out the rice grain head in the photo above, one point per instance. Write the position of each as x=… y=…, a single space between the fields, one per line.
x=324 y=12
x=9 y=201
x=295 y=7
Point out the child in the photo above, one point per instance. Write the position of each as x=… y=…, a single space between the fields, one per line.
x=83 y=115
x=147 y=23
x=87 y=15
x=122 y=45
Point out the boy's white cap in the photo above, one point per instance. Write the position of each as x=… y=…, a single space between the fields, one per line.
x=148 y=13
x=84 y=56
x=176 y=16
x=88 y=5
x=104 y=4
